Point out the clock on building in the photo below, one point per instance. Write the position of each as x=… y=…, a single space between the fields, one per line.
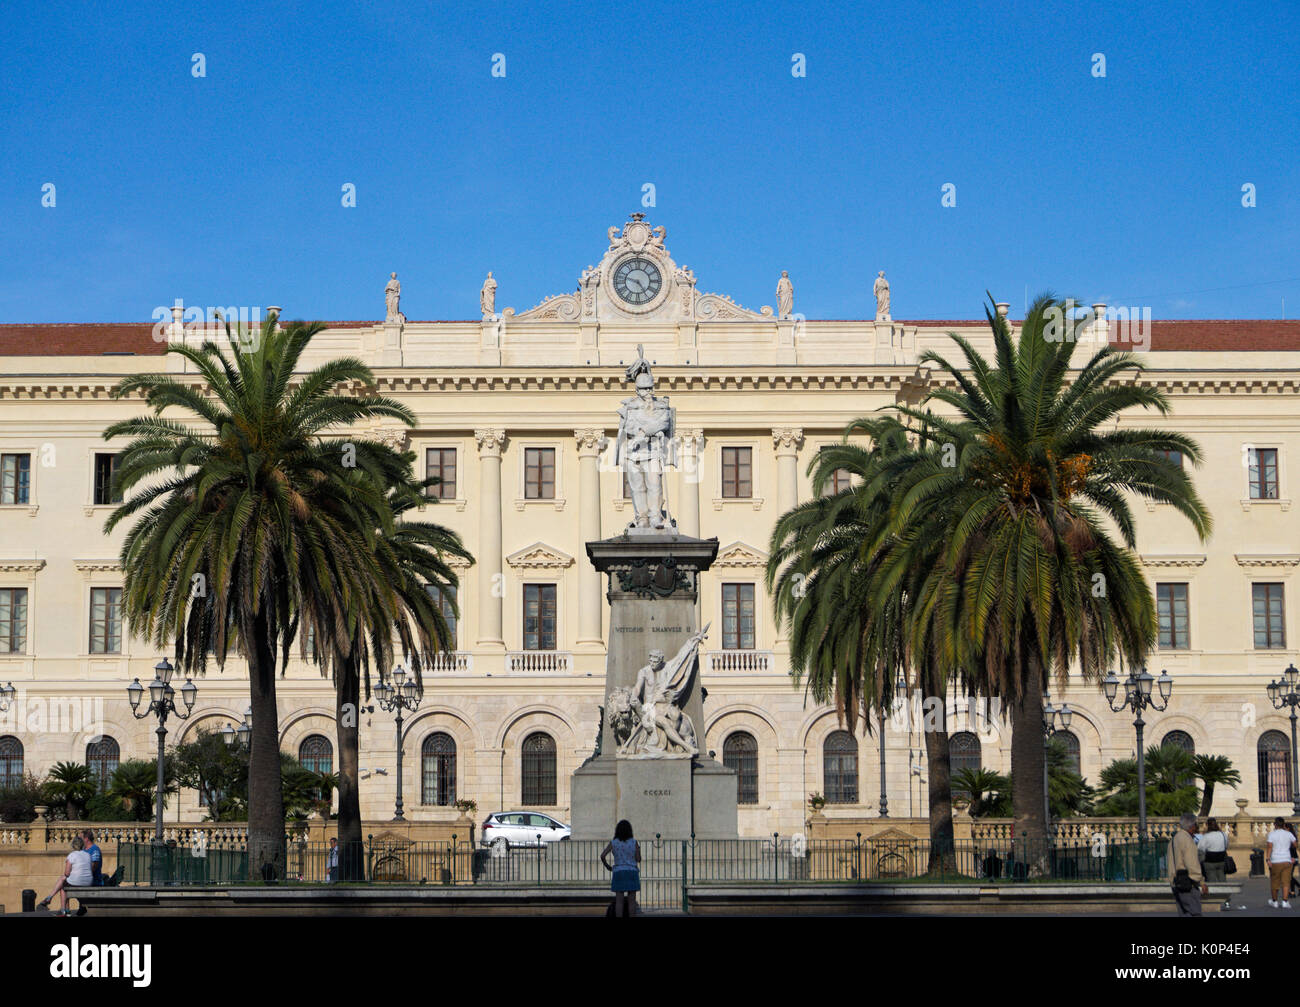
x=637 y=280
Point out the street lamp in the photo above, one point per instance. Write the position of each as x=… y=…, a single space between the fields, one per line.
x=1137 y=694
x=6 y=696
x=401 y=693
x=1282 y=693
x=900 y=689
x=241 y=734
x=162 y=704
x=1050 y=715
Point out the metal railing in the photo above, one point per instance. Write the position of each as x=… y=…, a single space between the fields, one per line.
x=668 y=867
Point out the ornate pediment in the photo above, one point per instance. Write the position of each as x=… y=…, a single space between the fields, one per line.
x=636 y=277
x=739 y=554
x=539 y=556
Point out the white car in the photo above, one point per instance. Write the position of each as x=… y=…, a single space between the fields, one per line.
x=505 y=829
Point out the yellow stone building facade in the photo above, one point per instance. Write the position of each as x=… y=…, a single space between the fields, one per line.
x=516 y=411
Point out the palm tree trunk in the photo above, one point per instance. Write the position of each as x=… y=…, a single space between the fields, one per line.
x=943 y=857
x=1207 y=799
x=347 y=715
x=1028 y=761
x=266 y=851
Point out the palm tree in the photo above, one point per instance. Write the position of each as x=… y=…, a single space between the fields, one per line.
x=849 y=619
x=238 y=512
x=1021 y=479
x=135 y=784
x=1213 y=771
x=398 y=569
x=1169 y=786
x=72 y=784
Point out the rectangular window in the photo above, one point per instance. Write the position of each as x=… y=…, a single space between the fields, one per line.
x=441 y=462
x=13 y=620
x=106 y=620
x=1263 y=473
x=737 y=473
x=1171 y=608
x=737 y=616
x=15 y=479
x=446 y=601
x=539 y=473
x=105 y=470
x=1174 y=456
x=1266 y=602
x=539 y=616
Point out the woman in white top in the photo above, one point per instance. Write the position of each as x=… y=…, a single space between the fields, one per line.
x=1281 y=851
x=77 y=873
x=626 y=881
x=1213 y=851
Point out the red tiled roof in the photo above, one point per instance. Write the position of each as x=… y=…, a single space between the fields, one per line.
x=97 y=338
x=1249 y=334
x=75 y=339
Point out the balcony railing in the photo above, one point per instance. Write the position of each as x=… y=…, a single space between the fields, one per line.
x=546 y=662
x=452 y=661
x=742 y=661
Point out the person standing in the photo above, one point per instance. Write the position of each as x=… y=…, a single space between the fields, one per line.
x=1281 y=858
x=76 y=874
x=626 y=881
x=1213 y=851
x=1185 y=868
x=332 y=868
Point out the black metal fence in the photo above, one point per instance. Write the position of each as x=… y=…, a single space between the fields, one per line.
x=668 y=867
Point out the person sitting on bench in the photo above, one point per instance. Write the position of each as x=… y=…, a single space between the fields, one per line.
x=77 y=873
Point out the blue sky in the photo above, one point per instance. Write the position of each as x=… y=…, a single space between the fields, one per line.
x=226 y=190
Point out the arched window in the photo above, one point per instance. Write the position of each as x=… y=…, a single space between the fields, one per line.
x=1069 y=742
x=11 y=761
x=438 y=770
x=317 y=754
x=840 y=768
x=539 y=770
x=740 y=752
x=1179 y=739
x=964 y=752
x=1274 y=768
x=103 y=756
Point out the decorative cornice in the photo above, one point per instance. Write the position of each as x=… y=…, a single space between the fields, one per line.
x=29 y=566
x=1173 y=559
x=1255 y=560
x=457 y=562
x=97 y=565
x=740 y=554
x=539 y=556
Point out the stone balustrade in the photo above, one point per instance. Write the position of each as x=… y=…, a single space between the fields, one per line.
x=740 y=661
x=546 y=662
x=458 y=662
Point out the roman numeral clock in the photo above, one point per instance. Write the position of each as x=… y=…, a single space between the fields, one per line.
x=637 y=280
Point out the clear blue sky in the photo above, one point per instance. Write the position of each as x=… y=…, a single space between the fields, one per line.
x=225 y=190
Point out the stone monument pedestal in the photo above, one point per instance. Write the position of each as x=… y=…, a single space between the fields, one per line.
x=653 y=585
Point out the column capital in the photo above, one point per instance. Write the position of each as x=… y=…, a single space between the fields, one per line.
x=787 y=440
x=490 y=441
x=393 y=437
x=692 y=438
x=590 y=441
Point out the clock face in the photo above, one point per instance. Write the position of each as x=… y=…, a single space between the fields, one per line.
x=637 y=280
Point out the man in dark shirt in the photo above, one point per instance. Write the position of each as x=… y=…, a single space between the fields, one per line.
x=96 y=856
